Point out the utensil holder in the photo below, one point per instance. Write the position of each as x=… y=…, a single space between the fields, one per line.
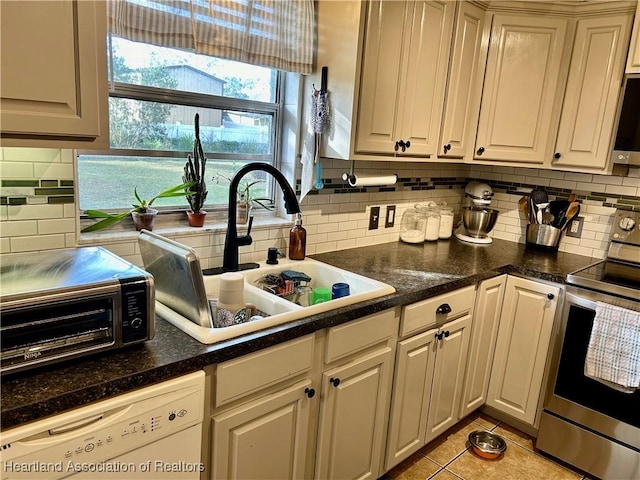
x=543 y=237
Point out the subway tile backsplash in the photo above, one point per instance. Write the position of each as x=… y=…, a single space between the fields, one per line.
x=38 y=209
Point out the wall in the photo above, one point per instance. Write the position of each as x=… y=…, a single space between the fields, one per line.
x=38 y=212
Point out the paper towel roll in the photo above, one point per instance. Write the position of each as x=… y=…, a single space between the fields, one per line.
x=360 y=181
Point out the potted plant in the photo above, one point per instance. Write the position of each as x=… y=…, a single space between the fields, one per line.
x=194 y=171
x=247 y=198
x=142 y=213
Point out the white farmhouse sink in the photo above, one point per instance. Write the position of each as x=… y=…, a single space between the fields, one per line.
x=278 y=309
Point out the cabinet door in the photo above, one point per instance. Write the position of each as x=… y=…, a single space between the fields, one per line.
x=415 y=361
x=521 y=82
x=460 y=117
x=266 y=438
x=448 y=376
x=593 y=87
x=403 y=76
x=521 y=351
x=53 y=74
x=633 y=60
x=484 y=332
x=353 y=413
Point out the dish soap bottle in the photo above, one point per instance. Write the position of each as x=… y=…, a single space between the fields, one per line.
x=297 y=239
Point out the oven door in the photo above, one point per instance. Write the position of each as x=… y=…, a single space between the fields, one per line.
x=577 y=398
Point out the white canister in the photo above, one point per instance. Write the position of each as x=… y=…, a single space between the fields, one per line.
x=446 y=223
x=432 y=227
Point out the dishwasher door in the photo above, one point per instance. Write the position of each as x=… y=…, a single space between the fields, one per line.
x=151 y=433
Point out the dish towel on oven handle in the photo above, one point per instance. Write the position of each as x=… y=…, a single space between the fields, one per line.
x=613 y=354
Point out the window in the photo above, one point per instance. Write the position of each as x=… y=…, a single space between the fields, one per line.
x=155 y=94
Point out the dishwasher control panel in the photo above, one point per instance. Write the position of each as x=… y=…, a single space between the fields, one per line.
x=90 y=439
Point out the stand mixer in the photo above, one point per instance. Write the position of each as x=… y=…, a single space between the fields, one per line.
x=477 y=218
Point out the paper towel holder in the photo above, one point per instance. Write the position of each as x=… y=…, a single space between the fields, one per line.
x=382 y=180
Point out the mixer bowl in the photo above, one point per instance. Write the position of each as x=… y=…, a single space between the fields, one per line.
x=479 y=221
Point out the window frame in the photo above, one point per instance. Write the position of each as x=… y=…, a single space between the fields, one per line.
x=192 y=99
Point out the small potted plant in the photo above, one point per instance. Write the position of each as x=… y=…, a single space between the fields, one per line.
x=194 y=171
x=247 y=198
x=142 y=213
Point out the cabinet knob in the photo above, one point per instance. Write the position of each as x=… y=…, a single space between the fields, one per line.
x=550 y=296
x=402 y=145
x=446 y=333
x=557 y=155
x=444 y=308
x=447 y=147
x=480 y=151
x=334 y=381
x=310 y=392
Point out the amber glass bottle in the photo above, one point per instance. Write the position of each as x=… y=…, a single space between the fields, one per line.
x=297 y=240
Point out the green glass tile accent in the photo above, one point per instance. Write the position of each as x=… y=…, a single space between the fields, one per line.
x=17 y=201
x=48 y=183
x=66 y=183
x=60 y=199
x=54 y=191
x=20 y=183
x=4 y=201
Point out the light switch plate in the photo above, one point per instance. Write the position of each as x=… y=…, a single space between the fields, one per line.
x=390 y=216
x=374 y=218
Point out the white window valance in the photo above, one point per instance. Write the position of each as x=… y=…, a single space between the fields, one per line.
x=272 y=33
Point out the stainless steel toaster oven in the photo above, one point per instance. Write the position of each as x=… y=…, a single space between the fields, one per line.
x=64 y=304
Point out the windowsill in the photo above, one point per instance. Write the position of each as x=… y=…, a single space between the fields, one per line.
x=174 y=225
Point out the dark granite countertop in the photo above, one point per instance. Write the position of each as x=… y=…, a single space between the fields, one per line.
x=416 y=271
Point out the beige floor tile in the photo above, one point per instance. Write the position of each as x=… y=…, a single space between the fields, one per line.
x=416 y=467
x=517 y=463
x=444 y=475
x=450 y=444
x=483 y=419
x=516 y=436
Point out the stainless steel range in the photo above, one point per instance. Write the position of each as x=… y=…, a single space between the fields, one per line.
x=587 y=422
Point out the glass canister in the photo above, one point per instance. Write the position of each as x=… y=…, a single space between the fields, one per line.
x=430 y=211
x=446 y=222
x=413 y=226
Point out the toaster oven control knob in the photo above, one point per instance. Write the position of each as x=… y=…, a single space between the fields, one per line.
x=627 y=224
x=136 y=322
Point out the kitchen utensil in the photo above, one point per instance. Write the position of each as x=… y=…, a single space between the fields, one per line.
x=538 y=197
x=542 y=207
x=544 y=237
x=487 y=444
x=523 y=205
x=572 y=212
x=533 y=211
x=558 y=209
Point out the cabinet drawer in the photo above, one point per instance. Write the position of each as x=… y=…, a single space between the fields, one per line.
x=258 y=370
x=352 y=337
x=421 y=315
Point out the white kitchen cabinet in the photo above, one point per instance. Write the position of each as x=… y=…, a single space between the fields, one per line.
x=355 y=397
x=520 y=88
x=430 y=365
x=633 y=60
x=266 y=438
x=468 y=57
x=403 y=77
x=522 y=345
x=353 y=414
x=593 y=87
x=484 y=332
x=448 y=377
x=53 y=74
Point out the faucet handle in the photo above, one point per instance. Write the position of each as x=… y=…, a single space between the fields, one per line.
x=246 y=239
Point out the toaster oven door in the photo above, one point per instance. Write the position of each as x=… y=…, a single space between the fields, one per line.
x=51 y=331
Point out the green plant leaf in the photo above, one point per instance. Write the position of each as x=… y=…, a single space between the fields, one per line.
x=107 y=222
x=98 y=214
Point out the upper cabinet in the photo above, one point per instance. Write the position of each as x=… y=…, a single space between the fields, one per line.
x=522 y=75
x=404 y=68
x=591 y=97
x=53 y=74
x=633 y=61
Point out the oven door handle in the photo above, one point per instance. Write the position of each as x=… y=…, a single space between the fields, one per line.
x=581 y=300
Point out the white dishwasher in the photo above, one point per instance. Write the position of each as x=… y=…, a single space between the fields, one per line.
x=151 y=433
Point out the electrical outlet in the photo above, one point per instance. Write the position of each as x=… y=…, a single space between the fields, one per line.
x=575 y=227
x=390 y=217
x=374 y=218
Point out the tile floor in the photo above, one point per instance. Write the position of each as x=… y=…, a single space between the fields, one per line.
x=449 y=457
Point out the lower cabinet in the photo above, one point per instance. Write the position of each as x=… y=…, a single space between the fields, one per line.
x=429 y=374
x=522 y=347
x=266 y=438
x=353 y=414
x=313 y=407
